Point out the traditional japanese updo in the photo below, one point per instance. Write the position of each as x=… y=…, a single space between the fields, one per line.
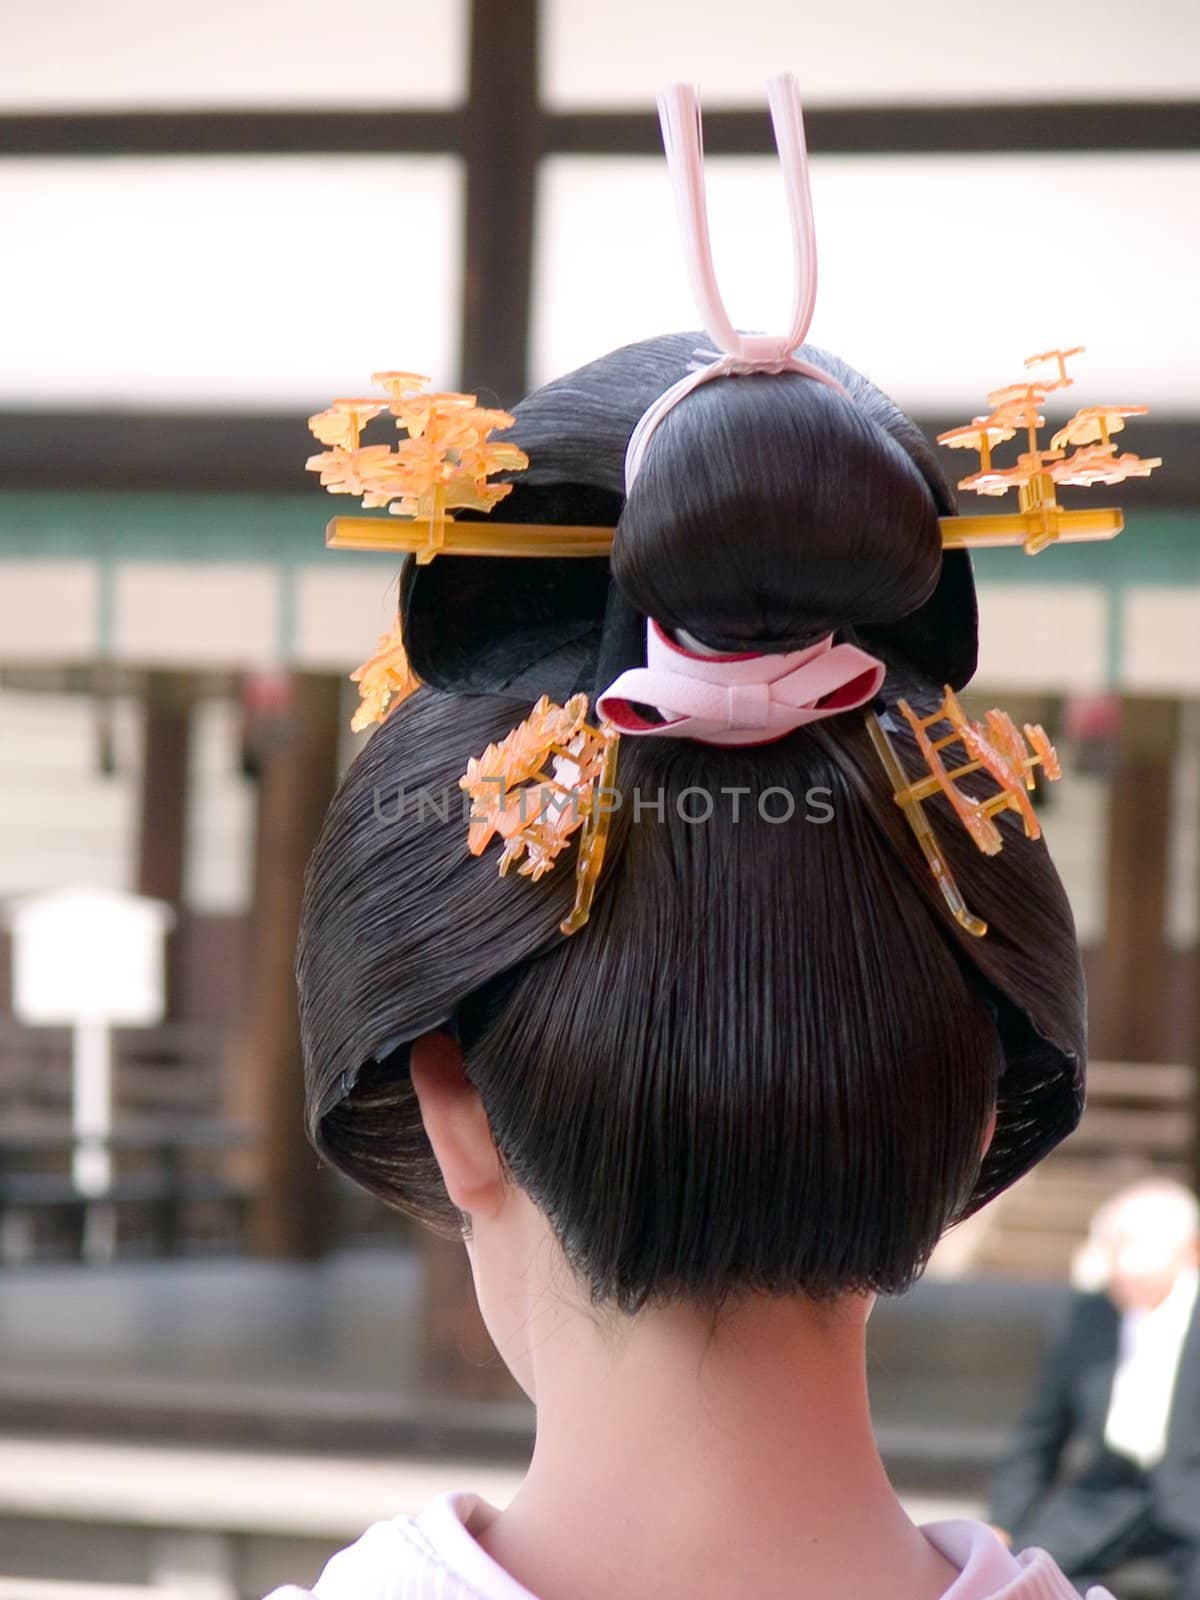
x=769 y=1060
x=828 y=537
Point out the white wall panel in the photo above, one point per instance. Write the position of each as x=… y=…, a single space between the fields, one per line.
x=926 y=284
x=239 y=283
x=138 y=54
x=181 y=613
x=48 y=610
x=219 y=854
x=1161 y=639
x=340 y=615
x=1042 y=636
x=1183 y=875
x=62 y=820
x=1075 y=823
x=863 y=51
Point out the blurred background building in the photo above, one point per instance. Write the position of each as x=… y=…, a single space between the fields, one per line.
x=220 y=218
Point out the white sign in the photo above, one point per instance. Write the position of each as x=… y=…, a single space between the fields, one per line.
x=89 y=955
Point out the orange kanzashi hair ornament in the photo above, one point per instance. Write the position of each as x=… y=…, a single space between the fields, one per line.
x=408 y=480
x=384 y=681
x=995 y=746
x=534 y=810
x=1040 y=520
x=443 y=464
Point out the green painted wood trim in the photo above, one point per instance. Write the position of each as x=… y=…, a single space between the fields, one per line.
x=285 y=529
x=1156 y=547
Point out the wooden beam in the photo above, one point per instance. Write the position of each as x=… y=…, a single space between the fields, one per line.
x=295 y=738
x=157 y=450
x=1030 y=128
x=162 y=822
x=251 y=453
x=238 y=133
x=502 y=142
x=1130 y=1011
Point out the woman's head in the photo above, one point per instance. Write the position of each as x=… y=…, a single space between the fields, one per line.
x=770 y=1060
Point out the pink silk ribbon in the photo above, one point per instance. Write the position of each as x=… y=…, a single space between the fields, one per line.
x=738 y=699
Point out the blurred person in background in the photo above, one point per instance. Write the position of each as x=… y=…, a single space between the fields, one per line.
x=1106 y=1462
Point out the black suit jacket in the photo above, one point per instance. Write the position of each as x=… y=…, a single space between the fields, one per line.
x=1106 y=1493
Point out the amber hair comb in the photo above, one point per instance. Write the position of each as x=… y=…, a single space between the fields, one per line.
x=995 y=746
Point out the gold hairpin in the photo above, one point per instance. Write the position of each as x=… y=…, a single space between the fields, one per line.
x=534 y=810
x=384 y=681
x=446 y=461
x=1039 y=519
x=443 y=465
x=996 y=746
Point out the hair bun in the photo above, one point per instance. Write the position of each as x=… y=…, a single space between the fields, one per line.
x=771 y=511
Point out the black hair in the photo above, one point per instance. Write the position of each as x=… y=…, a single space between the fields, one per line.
x=855 y=541
x=768 y=1061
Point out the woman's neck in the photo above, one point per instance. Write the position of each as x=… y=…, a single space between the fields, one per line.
x=673 y=1459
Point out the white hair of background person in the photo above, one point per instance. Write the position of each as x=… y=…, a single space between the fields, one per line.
x=1163 y=1214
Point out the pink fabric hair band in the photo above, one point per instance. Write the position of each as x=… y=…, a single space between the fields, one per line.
x=738 y=699
x=683 y=140
x=754 y=697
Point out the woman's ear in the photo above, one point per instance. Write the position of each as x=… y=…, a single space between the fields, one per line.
x=990 y=1132
x=456 y=1123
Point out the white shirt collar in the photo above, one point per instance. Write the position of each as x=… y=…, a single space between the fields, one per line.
x=987 y=1570
x=1182 y=1298
x=447 y=1522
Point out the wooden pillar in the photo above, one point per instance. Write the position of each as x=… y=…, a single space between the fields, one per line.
x=1129 y=1013
x=1191 y=975
x=162 y=835
x=295 y=743
x=502 y=135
